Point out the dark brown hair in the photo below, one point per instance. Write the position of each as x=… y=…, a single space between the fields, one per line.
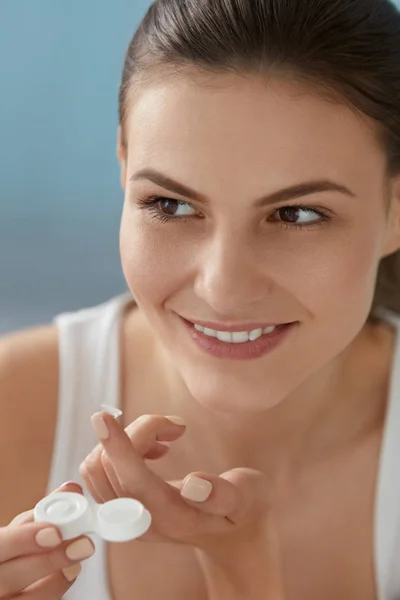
x=348 y=50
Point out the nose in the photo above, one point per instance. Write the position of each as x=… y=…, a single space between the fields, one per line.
x=231 y=276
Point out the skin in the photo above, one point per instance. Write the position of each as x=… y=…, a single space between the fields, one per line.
x=233 y=143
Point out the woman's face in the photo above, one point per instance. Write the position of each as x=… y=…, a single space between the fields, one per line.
x=234 y=252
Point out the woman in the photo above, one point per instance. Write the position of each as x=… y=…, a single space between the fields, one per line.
x=259 y=145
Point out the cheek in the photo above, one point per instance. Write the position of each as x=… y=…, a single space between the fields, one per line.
x=151 y=256
x=338 y=273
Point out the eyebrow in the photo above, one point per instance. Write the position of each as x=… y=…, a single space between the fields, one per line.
x=295 y=191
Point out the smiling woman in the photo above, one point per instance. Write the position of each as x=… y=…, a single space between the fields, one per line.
x=259 y=145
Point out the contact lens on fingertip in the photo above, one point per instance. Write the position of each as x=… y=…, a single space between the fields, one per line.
x=118 y=520
x=115 y=412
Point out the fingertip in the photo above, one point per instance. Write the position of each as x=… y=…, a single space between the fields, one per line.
x=23 y=518
x=71 y=484
x=196 y=489
x=101 y=425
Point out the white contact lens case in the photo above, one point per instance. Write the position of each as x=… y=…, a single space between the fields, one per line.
x=118 y=520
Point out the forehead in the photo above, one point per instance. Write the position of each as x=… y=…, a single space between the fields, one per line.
x=240 y=126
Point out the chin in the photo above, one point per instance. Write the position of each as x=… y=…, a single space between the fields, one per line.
x=229 y=393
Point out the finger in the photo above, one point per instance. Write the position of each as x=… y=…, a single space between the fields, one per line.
x=158 y=451
x=239 y=495
x=144 y=433
x=51 y=587
x=111 y=475
x=134 y=476
x=22 y=518
x=210 y=494
x=255 y=494
x=23 y=571
x=147 y=430
x=96 y=480
x=17 y=541
x=93 y=489
x=115 y=489
x=99 y=476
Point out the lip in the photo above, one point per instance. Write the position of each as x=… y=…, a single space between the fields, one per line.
x=233 y=327
x=245 y=351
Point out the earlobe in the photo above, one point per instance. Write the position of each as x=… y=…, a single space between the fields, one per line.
x=121 y=156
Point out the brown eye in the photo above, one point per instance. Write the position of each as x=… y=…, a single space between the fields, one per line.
x=290 y=214
x=164 y=209
x=168 y=206
x=175 y=208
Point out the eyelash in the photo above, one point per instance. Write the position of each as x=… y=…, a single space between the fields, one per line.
x=150 y=203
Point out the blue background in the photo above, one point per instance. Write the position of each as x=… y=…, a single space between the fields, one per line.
x=60 y=197
x=60 y=200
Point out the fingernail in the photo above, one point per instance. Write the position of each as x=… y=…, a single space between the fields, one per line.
x=196 y=489
x=176 y=420
x=48 y=538
x=72 y=572
x=80 y=549
x=99 y=426
x=71 y=483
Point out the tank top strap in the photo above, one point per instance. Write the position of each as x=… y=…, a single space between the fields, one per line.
x=88 y=377
x=387 y=508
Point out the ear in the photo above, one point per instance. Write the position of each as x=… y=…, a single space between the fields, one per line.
x=121 y=156
x=392 y=237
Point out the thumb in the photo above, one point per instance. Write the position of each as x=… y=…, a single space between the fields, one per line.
x=241 y=495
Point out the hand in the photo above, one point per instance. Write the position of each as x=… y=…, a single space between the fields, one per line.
x=234 y=511
x=33 y=571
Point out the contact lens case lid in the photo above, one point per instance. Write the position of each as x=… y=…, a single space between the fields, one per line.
x=118 y=520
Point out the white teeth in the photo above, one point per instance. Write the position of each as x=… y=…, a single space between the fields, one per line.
x=210 y=332
x=224 y=336
x=239 y=337
x=235 y=337
x=269 y=329
x=255 y=334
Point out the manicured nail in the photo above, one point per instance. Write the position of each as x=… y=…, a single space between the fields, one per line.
x=48 y=538
x=72 y=572
x=196 y=489
x=176 y=420
x=99 y=426
x=80 y=549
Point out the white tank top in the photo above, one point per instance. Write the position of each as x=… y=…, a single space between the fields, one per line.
x=89 y=376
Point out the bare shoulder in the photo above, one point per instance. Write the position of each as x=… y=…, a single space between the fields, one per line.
x=28 y=408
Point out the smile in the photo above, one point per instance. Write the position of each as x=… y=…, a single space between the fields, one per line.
x=235 y=342
x=236 y=337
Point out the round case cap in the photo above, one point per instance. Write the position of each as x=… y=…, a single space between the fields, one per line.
x=69 y=511
x=122 y=519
